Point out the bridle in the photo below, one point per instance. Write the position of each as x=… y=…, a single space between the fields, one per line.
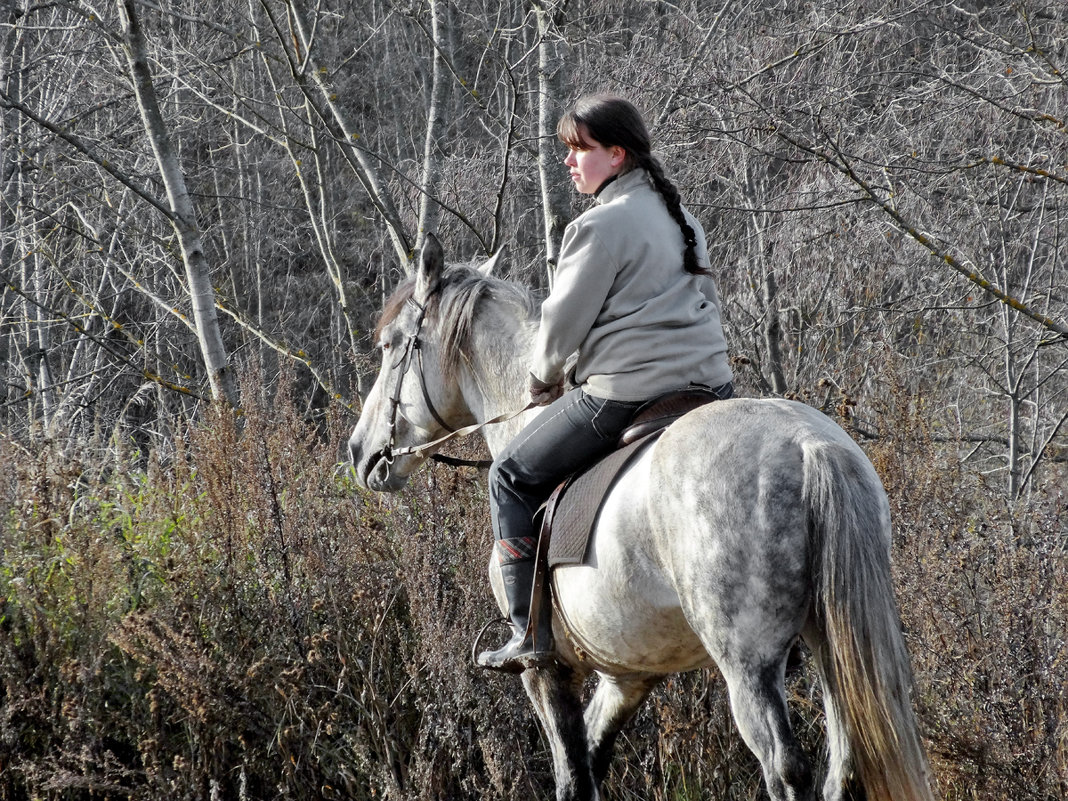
x=413 y=352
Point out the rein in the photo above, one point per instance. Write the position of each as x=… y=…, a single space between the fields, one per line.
x=413 y=352
x=461 y=432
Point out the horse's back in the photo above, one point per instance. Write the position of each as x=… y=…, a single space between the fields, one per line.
x=750 y=421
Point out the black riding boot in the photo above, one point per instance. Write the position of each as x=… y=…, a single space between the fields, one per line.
x=525 y=649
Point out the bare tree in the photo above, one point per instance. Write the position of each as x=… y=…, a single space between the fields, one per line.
x=880 y=185
x=182 y=212
x=433 y=143
x=298 y=46
x=551 y=80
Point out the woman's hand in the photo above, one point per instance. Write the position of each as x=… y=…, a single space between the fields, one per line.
x=541 y=393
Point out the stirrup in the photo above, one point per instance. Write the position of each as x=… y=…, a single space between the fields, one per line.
x=482 y=633
x=521 y=661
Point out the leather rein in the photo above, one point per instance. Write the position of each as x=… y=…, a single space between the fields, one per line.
x=413 y=352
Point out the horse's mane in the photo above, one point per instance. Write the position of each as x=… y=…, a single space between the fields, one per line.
x=454 y=307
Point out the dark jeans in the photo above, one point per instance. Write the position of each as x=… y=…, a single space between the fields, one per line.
x=570 y=434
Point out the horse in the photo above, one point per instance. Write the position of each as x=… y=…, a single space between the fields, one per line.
x=748 y=524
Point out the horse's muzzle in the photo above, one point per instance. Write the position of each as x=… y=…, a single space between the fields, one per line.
x=374 y=470
x=363 y=464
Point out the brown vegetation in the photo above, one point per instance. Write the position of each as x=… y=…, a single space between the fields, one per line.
x=197 y=603
x=237 y=621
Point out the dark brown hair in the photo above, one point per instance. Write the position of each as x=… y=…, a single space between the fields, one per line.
x=612 y=121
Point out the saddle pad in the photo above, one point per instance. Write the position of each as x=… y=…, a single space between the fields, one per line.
x=572 y=509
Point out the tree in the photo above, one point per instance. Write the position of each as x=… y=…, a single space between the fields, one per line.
x=551 y=75
x=879 y=184
x=182 y=214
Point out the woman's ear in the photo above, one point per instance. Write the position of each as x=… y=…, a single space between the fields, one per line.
x=619 y=155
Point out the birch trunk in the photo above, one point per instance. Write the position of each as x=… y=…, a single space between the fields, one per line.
x=429 y=208
x=182 y=214
x=554 y=202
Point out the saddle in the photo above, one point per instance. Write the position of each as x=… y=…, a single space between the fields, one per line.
x=567 y=518
x=569 y=514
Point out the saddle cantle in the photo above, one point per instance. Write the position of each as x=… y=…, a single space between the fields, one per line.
x=660 y=412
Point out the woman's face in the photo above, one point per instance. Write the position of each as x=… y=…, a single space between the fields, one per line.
x=593 y=165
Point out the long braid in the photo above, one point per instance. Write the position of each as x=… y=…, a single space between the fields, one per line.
x=673 y=202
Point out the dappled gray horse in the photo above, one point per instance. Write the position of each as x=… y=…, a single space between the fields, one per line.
x=747 y=524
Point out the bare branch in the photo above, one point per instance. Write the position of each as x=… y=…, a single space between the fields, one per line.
x=840 y=163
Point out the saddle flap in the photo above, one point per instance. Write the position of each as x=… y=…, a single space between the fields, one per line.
x=570 y=523
x=567 y=525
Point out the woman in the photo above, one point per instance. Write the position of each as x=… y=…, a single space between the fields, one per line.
x=632 y=295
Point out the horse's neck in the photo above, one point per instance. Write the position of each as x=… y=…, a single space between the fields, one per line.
x=496 y=381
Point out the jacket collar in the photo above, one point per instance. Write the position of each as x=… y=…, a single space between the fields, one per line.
x=624 y=183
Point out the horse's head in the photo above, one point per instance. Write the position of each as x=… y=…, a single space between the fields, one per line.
x=417 y=397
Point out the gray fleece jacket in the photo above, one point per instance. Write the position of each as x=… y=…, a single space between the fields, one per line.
x=641 y=324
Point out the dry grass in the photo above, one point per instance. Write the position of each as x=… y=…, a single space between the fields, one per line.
x=242 y=623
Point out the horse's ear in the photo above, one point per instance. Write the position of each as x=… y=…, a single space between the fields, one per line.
x=490 y=265
x=431 y=266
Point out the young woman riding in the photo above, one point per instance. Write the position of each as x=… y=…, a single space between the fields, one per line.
x=633 y=296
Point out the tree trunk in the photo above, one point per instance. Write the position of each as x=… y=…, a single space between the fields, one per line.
x=773 y=331
x=183 y=217
x=553 y=191
x=429 y=208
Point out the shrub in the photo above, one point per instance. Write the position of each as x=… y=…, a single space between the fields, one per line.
x=239 y=621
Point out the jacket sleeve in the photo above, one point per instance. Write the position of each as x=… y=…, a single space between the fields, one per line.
x=583 y=279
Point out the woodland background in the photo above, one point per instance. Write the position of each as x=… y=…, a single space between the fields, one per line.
x=201 y=211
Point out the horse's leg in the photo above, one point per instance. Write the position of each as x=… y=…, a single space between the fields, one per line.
x=555 y=693
x=614 y=702
x=758 y=702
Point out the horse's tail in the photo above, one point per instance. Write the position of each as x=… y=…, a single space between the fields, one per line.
x=864 y=662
